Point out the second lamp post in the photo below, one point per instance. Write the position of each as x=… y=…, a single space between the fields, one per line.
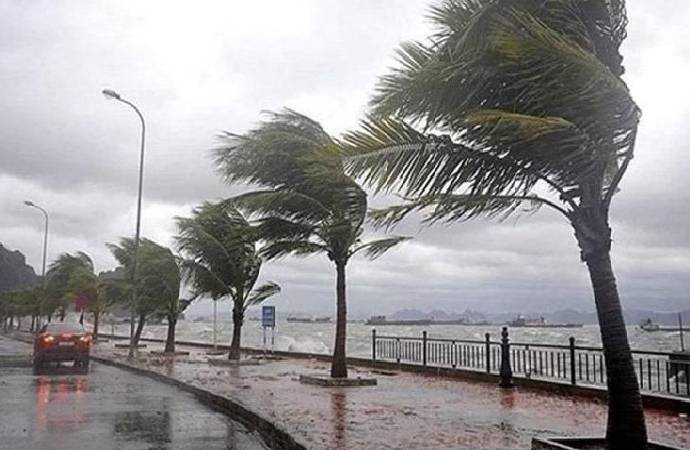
x=110 y=94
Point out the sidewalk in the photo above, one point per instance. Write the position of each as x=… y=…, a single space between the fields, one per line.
x=405 y=410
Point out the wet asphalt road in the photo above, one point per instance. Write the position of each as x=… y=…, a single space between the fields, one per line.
x=106 y=408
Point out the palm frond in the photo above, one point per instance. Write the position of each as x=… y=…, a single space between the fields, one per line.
x=271 y=228
x=280 y=249
x=287 y=204
x=262 y=293
x=376 y=248
x=459 y=207
x=430 y=164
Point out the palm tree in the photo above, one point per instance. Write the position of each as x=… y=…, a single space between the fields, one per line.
x=61 y=277
x=111 y=288
x=20 y=303
x=522 y=106
x=307 y=203
x=158 y=281
x=221 y=260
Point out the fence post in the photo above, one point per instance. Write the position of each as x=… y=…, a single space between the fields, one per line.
x=424 y=348
x=373 y=344
x=573 y=380
x=487 y=336
x=506 y=371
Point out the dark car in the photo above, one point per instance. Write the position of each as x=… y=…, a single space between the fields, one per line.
x=57 y=342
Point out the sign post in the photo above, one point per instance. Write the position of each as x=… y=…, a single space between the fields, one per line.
x=268 y=320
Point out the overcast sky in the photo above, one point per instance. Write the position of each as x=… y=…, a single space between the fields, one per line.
x=197 y=68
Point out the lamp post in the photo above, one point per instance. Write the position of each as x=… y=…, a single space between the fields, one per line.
x=112 y=95
x=31 y=204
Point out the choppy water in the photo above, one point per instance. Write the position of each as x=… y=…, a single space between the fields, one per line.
x=318 y=338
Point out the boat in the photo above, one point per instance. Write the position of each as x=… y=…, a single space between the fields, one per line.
x=649 y=325
x=302 y=319
x=523 y=322
x=382 y=320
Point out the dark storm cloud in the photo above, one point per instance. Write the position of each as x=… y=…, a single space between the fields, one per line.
x=198 y=69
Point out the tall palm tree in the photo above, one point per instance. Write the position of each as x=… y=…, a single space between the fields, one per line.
x=306 y=205
x=158 y=281
x=221 y=260
x=522 y=105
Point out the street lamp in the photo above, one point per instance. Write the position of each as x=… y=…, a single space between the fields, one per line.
x=31 y=204
x=112 y=95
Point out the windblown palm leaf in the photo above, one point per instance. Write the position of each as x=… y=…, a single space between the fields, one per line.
x=158 y=277
x=519 y=96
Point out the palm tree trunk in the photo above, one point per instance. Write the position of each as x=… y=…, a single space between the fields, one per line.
x=170 y=339
x=96 y=322
x=339 y=364
x=140 y=328
x=626 y=425
x=235 y=345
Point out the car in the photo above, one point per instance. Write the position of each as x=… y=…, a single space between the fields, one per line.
x=58 y=342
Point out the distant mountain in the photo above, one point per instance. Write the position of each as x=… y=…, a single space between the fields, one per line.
x=632 y=316
x=15 y=273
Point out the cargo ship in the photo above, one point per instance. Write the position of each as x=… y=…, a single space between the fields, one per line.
x=523 y=322
x=381 y=320
x=295 y=319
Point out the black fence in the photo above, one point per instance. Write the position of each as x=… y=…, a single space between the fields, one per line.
x=658 y=372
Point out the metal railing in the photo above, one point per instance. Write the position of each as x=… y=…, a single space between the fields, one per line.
x=657 y=372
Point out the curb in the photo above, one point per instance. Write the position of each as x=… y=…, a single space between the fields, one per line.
x=273 y=436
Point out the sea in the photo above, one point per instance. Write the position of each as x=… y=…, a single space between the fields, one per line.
x=319 y=337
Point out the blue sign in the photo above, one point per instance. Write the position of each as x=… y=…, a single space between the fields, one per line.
x=268 y=316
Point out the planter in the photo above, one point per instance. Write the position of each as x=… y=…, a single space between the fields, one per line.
x=233 y=362
x=584 y=443
x=336 y=382
x=162 y=353
x=127 y=346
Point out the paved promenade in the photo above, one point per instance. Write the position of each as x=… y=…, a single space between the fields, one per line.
x=405 y=411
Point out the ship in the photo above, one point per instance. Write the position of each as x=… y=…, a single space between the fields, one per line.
x=299 y=319
x=381 y=320
x=523 y=322
x=649 y=325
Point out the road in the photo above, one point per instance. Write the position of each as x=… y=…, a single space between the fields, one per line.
x=107 y=408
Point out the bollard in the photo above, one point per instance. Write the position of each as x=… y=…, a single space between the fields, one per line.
x=373 y=344
x=506 y=371
x=487 y=336
x=573 y=379
x=424 y=348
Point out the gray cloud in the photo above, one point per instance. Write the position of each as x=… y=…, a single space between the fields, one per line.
x=195 y=71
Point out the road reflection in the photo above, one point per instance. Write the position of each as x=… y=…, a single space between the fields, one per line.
x=60 y=403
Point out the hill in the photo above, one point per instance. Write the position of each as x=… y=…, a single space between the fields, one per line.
x=15 y=273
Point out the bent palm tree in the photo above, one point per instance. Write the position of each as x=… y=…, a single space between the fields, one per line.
x=158 y=281
x=528 y=109
x=307 y=203
x=61 y=277
x=221 y=260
